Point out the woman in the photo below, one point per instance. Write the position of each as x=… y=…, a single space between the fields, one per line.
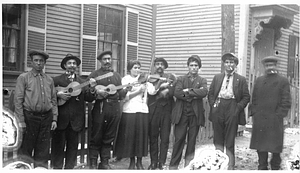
x=132 y=138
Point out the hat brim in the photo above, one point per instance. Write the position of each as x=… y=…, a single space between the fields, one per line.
x=38 y=52
x=269 y=59
x=99 y=57
x=64 y=61
x=163 y=61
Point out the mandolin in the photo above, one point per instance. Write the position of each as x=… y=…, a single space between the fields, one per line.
x=111 y=88
x=74 y=88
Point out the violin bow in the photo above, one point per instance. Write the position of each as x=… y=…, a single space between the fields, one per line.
x=149 y=72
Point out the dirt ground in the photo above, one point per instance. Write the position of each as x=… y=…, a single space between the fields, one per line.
x=246 y=159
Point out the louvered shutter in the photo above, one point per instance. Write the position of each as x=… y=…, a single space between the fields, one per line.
x=131 y=41
x=36 y=32
x=89 y=39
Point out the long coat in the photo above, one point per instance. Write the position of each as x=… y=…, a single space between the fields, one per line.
x=195 y=96
x=73 y=110
x=271 y=102
x=240 y=91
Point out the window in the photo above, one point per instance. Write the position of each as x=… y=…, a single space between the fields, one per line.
x=110 y=34
x=11 y=37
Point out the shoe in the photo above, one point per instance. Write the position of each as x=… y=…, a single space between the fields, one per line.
x=152 y=166
x=93 y=164
x=104 y=164
x=139 y=166
x=161 y=166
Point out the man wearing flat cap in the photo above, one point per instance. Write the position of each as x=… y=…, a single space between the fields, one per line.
x=36 y=106
x=228 y=96
x=105 y=113
x=160 y=109
x=271 y=101
x=188 y=111
x=71 y=111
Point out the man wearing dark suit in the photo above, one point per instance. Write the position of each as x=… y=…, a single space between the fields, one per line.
x=228 y=96
x=71 y=116
x=188 y=112
x=160 y=109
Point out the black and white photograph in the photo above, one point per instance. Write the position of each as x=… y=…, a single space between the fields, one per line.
x=150 y=86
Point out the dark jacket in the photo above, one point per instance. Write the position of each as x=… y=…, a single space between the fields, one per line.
x=194 y=95
x=240 y=91
x=73 y=110
x=116 y=80
x=166 y=102
x=271 y=101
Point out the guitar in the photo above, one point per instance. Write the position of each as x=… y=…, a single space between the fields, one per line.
x=74 y=88
x=111 y=88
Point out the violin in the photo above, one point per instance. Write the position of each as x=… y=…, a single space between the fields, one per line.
x=152 y=78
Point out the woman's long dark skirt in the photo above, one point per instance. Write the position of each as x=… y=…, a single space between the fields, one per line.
x=132 y=138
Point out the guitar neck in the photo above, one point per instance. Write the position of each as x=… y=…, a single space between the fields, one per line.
x=122 y=86
x=86 y=83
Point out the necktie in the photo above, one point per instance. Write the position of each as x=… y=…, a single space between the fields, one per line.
x=227 y=80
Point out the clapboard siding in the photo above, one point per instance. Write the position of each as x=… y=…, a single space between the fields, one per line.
x=281 y=48
x=184 y=30
x=282 y=44
x=145 y=33
x=63 y=34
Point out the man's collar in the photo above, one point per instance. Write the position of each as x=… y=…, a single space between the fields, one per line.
x=192 y=76
x=231 y=74
x=35 y=73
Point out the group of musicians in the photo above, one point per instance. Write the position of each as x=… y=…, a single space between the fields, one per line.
x=127 y=112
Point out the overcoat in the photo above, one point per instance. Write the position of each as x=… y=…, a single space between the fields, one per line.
x=271 y=102
x=240 y=91
x=195 y=95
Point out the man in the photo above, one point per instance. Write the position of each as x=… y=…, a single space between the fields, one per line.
x=71 y=116
x=188 y=112
x=35 y=105
x=228 y=96
x=271 y=101
x=105 y=114
x=160 y=109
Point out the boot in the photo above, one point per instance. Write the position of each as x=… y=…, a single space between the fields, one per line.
x=132 y=163
x=152 y=166
x=104 y=164
x=139 y=164
x=93 y=164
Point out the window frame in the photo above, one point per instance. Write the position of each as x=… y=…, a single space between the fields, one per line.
x=122 y=44
x=20 y=62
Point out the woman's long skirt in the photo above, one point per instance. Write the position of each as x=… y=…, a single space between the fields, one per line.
x=132 y=137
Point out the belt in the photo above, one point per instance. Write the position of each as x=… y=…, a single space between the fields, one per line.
x=226 y=98
x=38 y=113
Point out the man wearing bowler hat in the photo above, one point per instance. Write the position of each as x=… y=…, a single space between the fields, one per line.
x=271 y=101
x=71 y=115
x=228 y=96
x=105 y=113
x=36 y=107
x=160 y=109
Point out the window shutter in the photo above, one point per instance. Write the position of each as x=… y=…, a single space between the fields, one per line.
x=89 y=39
x=292 y=55
x=36 y=33
x=131 y=34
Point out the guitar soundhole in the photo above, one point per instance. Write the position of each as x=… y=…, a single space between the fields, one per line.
x=107 y=90
x=70 y=90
